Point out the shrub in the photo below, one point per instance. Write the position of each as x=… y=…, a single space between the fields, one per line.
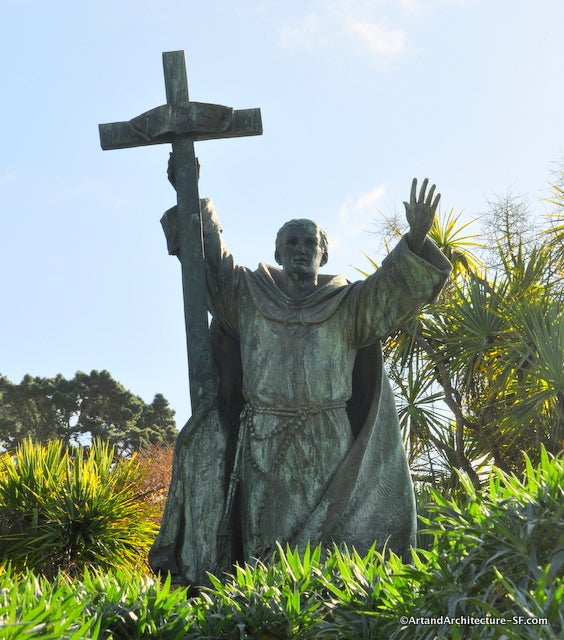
x=155 y=464
x=498 y=554
x=118 y=605
x=67 y=508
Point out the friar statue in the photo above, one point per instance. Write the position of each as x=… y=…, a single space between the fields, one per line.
x=313 y=450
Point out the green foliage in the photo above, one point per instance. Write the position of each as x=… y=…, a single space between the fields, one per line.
x=66 y=508
x=34 y=607
x=87 y=406
x=479 y=375
x=496 y=553
x=456 y=243
x=118 y=605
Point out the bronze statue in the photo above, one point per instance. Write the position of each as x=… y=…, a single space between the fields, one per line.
x=313 y=451
x=294 y=436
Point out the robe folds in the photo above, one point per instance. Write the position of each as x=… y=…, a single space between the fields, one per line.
x=300 y=442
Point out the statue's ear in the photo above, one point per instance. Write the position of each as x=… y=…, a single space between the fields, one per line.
x=277 y=257
x=324 y=259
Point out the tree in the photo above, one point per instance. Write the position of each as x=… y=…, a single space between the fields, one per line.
x=480 y=374
x=87 y=406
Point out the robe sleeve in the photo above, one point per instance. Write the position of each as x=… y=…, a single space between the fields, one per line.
x=395 y=292
x=223 y=276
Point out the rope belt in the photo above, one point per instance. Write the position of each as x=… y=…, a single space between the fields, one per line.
x=295 y=416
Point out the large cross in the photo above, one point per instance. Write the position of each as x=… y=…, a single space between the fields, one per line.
x=181 y=122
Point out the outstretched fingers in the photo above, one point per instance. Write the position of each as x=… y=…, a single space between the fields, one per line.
x=429 y=199
x=422 y=192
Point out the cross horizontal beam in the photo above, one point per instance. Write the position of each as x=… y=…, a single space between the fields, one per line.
x=170 y=123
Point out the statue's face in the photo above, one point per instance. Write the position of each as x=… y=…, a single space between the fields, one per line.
x=301 y=252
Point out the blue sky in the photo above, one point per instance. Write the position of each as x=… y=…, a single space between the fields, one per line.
x=357 y=98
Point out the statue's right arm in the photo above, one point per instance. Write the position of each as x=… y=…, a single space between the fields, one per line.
x=222 y=274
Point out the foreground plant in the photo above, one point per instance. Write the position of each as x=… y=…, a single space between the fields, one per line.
x=495 y=554
x=118 y=605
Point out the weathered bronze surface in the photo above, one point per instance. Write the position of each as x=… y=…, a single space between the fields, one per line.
x=313 y=451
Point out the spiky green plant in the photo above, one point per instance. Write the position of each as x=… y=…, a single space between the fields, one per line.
x=555 y=230
x=66 y=508
x=498 y=553
x=479 y=374
x=101 y=606
x=33 y=607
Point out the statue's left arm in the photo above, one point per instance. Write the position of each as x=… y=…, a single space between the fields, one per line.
x=412 y=275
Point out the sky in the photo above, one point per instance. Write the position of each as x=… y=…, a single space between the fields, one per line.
x=357 y=98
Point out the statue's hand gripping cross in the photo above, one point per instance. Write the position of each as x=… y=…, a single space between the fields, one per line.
x=181 y=122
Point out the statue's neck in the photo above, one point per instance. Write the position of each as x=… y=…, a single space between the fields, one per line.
x=299 y=287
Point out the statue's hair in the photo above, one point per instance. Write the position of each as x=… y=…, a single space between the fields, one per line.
x=324 y=241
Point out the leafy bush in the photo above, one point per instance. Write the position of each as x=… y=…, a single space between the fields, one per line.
x=66 y=508
x=494 y=555
x=118 y=605
x=500 y=555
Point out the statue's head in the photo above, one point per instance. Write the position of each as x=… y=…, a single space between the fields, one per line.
x=301 y=246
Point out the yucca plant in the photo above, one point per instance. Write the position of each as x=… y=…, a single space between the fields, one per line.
x=458 y=244
x=67 y=508
x=478 y=375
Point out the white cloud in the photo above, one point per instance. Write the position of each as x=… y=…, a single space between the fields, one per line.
x=349 y=25
x=349 y=231
x=374 y=28
x=356 y=216
x=378 y=39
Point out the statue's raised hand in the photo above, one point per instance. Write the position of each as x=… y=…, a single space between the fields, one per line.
x=420 y=213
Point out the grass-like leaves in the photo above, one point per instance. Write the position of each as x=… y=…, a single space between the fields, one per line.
x=490 y=554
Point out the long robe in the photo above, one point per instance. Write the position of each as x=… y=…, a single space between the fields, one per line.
x=317 y=454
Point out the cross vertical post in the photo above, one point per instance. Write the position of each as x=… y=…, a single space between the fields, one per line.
x=181 y=122
x=190 y=240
